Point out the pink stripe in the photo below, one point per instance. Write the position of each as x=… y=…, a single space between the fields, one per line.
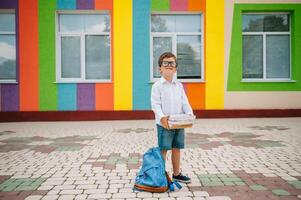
x=178 y=5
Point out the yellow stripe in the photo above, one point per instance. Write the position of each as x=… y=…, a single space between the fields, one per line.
x=214 y=54
x=122 y=22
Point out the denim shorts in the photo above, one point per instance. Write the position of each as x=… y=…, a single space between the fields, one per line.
x=170 y=138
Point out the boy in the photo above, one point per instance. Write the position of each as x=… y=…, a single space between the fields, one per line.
x=168 y=97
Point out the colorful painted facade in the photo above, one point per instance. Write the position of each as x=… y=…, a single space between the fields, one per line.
x=36 y=32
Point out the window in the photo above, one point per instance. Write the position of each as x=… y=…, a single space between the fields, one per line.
x=182 y=35
x=7 y=47
x=266 y=46
x=83 y=47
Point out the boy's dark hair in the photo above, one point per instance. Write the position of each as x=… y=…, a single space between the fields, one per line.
x=166 y=55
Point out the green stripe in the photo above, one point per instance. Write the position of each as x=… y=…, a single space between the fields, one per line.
x=47 y=87
x=235 y=65
x=160 y=5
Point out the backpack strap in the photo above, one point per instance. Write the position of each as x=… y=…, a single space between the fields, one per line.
x=172 y=183
x=177 y=184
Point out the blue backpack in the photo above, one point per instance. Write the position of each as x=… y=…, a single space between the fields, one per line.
x=152 y=176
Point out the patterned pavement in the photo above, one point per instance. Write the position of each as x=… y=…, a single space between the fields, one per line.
x=238 y=159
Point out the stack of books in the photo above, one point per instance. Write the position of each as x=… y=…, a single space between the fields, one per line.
x=180 y=121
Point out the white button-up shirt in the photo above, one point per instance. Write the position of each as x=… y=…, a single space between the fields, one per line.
x=169 y=98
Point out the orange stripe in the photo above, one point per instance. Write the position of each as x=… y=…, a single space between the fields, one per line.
x=103 y=4
x=28 y=49
x=196 y=91
x=196 y=5
x=196 y=95
x=104 y=92
x=104 y=96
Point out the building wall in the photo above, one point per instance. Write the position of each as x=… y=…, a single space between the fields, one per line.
x=259 y=95
x=37 y=89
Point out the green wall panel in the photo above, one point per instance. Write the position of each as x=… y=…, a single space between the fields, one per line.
x=160 y=5
x=235 y=64
x=47 y=87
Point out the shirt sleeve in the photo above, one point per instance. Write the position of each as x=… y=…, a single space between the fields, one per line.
x=156 y=101
x=185 y=103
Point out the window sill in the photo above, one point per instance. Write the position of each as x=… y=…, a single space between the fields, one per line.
x=268 y=81
x=73 y=82
x=8 y=82
x=181 y=80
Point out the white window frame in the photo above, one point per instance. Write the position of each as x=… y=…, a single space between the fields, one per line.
x=264 y=34
x=174 y=43
x=82 y=35
x=10 y=11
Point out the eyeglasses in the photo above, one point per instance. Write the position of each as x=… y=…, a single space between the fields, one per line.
x=171 y=63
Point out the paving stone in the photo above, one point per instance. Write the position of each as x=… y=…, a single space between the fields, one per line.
x=26 y=187
x=45 y=187
x=50 y=197
x=160 y=195
x=66 y=197
x=225 y=158
x=77 y=191
x=94 y=186
x=94 y=191
x=218 y=198
x=280 y=192
x=144 y=194
x=114 y=190
x=258 y=187
x=34 y=197
x=124 y=195
x=99 y=196
x=181 y=194
x=64 y=187
x=201 y=194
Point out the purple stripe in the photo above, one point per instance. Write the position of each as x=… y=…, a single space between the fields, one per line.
x=10 y=92
x=85 y=96
x=85 y=4
x=0 y=98
x=10 y=97
x=8 y=4
x=179 y=5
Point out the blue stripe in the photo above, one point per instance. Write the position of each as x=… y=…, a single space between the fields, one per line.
x=141 y=55
x=67 y=96
x=66 y=4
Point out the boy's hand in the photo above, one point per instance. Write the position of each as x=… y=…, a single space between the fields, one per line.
x=164 y=122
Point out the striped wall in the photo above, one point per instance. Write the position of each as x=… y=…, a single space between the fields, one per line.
x=68 y=96
x=141 y=49
x=37 y=90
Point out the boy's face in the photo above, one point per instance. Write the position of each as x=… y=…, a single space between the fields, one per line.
x=168 y=68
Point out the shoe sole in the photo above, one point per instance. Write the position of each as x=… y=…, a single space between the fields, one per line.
x=181 y=181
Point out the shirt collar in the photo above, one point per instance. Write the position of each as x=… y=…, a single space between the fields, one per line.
x=163 y=80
